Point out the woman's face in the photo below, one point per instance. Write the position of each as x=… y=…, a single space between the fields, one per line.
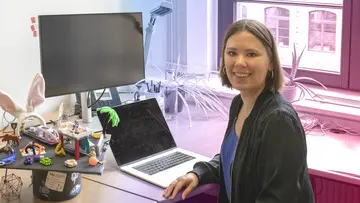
x=246 y=61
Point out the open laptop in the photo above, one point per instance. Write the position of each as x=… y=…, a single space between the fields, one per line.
x=143 y=145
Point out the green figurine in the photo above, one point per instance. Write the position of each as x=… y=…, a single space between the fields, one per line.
x=45 y=161
x=112 y=117
x=85 y=145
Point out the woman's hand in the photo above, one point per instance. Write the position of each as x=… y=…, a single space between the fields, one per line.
x=190 y=181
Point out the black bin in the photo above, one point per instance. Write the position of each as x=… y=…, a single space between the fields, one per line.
x=55 y=186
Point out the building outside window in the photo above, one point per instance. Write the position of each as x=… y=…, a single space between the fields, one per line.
x=278 y=21
x=322 y=31
x=320 y=26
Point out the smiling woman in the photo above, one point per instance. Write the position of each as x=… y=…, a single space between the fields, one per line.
x=263 y=153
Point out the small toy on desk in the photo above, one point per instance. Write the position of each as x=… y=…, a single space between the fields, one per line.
x=28 y=160
x=44 y=134
x=74 y=131
x=11 y=157
x=22 y=127
x=59 y=149
x=92 y=152
x=11 y=139
x=45 y=161
x=35 y=149
x=36 y=96
x=8 y=148
x=30 y=146
x=112 y=117
x=93 y=161
x=37 y=158
x=96 y=135
x=70 y=163
x=13 y=125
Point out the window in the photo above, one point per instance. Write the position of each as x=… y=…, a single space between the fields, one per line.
x=278 y=21
x=243 y=11
x=327 y=28
x=322 y=31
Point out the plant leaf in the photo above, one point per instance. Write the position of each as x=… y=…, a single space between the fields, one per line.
x=308 y=90
x=298 y=61
x=187 y=107
x=310 y=79
x=198 y=104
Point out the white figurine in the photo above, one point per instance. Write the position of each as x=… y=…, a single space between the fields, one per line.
x=36 y=96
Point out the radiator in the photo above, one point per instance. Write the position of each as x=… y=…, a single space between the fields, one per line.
x=330 y=191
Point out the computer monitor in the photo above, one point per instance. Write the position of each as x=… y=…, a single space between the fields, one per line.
x=83 y=52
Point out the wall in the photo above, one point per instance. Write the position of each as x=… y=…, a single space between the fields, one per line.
x=19 y=50
x=201 y=35
x=158 y=47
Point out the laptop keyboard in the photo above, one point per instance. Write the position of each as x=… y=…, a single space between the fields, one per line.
x=163 y=163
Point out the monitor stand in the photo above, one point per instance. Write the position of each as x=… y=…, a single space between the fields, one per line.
x=86 y=113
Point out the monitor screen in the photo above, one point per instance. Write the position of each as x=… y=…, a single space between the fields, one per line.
x=84 y=52
x=141 y=132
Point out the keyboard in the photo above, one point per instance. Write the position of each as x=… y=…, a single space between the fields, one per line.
x=160 y=164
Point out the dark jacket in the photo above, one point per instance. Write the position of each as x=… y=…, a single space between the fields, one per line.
x=270 y=160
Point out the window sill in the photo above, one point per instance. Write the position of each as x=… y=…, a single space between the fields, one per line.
x=340 y=106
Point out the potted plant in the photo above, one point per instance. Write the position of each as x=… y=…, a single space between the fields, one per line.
x=190 y=87
x=112 y=117
x=294 y=90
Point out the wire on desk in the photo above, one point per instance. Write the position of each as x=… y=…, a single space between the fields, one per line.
x=89 y=106
x=8 y=122
x=309 y=122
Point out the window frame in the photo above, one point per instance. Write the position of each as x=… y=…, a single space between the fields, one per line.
x=278 y=18
x=322 y=24
x=349 y=62
x=354 y=71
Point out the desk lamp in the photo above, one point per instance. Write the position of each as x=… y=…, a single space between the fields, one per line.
x=162 y=10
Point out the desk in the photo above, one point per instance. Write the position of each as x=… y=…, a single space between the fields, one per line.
x=91 y=192
x=333 y=162
x=199 y=138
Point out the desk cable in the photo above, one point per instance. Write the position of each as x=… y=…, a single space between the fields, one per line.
x=116 y=188
x=8 y=122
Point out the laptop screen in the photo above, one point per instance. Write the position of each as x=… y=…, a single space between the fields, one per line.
x=142 y=131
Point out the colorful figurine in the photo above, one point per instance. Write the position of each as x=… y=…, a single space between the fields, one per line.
x=92 y=152
x=11 y=139
x=45 y=161
x=37 y=158
x=71 y=163
x=34 y=147
x=85 y=144
x=96 y=135
x=112 y=117
x=59 y=149
x=13 y=126
x=28 y=160
x=93 y=161
x=30 y=146
x=22 y=128
x=9 y=159
x=80 y=136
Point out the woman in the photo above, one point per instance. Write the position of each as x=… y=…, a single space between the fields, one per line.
x=263 y=154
